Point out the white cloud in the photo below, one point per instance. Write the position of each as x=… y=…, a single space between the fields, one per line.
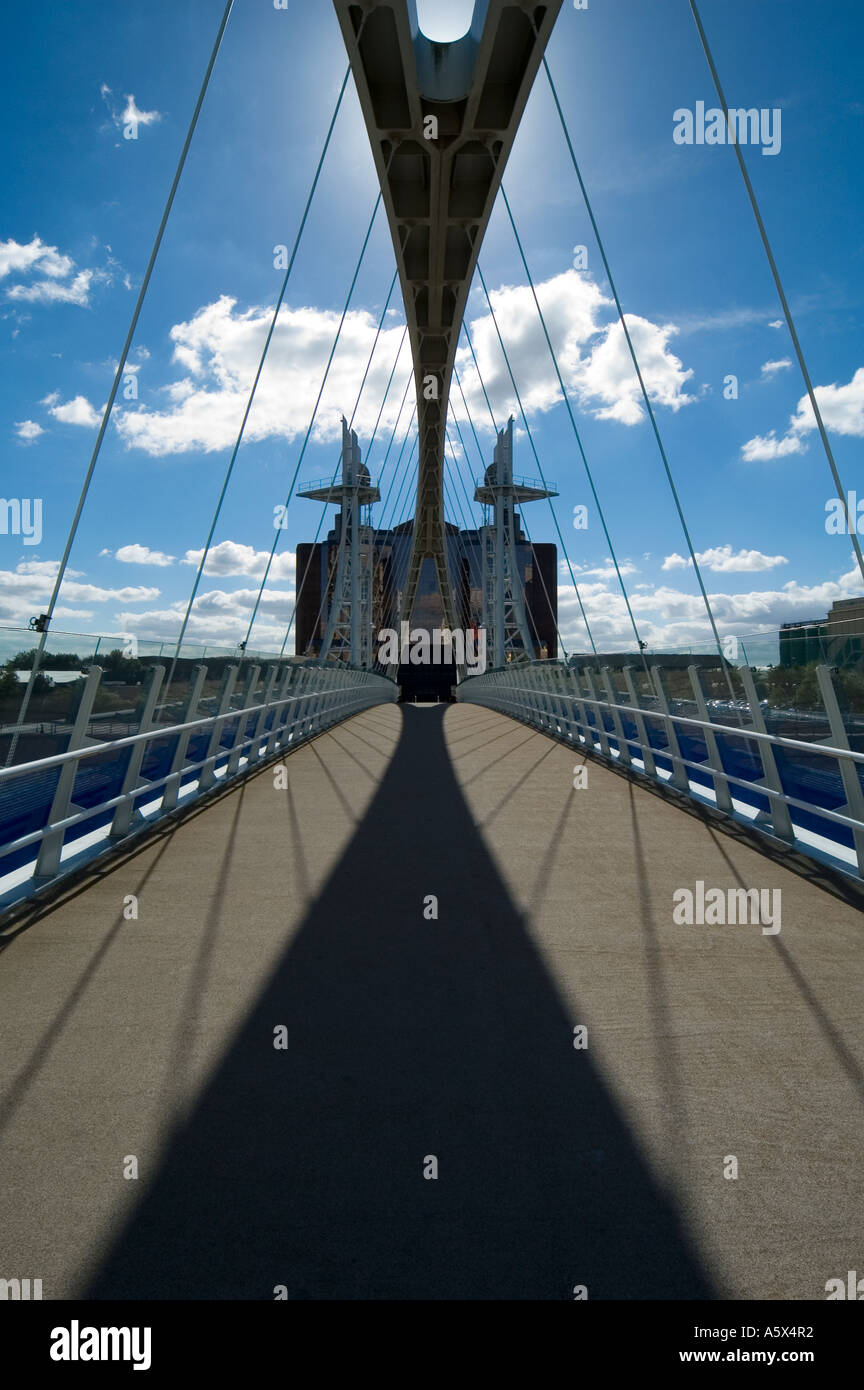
x=231 y=558
x=55 y=269
x=669 y=618
x=610 y=376
x=604 y=571
x=27 y=588
x=28 y=430
x=219 y=348
x=59 y=283
x=841 y=408
x=128 y=115
x=141 y=555
x=78 y=411
x=16 y=257
x=767 y=446
x=723 y=560
x=782 y=364
x=76 y=291
x=593 y=355
x=132 y=116
x=44 y=569
x=220 y=618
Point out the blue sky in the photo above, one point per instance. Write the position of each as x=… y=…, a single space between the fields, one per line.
x=80 y=204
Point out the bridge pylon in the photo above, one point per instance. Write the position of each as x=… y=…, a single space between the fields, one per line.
x=504 y=614
x=348 y=634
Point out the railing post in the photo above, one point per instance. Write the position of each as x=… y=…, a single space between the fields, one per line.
x=679 y=772
x=544 y=675
x=301 y=714
x=246 y=700
x=721 y=786
x=848 y=769
x=123 y=815
x=582 y=719
x=641 y=726
x=48 y=861
x=207 y=775
x=172 y=785
x=530 y=701
x=298 y=710
x=623 y=747
x=559 y=704
x=781 y=820
x=254 y=754
x=598 y=715
x=282 y=716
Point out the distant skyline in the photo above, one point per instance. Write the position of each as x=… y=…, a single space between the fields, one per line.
x=95 y=106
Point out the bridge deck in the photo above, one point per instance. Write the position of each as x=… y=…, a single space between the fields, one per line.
x=408 y=1037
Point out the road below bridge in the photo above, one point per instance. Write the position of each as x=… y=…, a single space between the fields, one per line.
x=299 y=914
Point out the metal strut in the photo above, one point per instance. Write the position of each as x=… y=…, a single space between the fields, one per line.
x=441 y=120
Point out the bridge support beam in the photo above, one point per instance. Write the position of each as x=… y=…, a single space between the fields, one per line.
x=441 y=119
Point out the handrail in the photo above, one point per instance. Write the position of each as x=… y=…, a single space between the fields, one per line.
x=94 y=750
x=807 y=746
x=550 y=697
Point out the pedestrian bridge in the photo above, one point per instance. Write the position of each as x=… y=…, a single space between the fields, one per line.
x=407 y=1015
x=552 y=991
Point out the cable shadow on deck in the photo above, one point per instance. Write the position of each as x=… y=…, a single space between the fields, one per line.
x=407 y=1038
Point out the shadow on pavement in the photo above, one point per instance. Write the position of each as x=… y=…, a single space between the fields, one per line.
x=407 y=1038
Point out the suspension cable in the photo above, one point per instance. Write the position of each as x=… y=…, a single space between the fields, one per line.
x=299 y=593
x=314 y=414
x=458 y=473
x=851 y=520
x=326 y=588
x=639 y=645
x=536 y=458
x=522 y=514
x=524 y=523
x=228 y=472
x=333 y=481
x=106 y=414
x=641 y=380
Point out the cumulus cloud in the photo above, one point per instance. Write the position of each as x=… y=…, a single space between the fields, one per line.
x=28 y=430
x=219 y=617
x=44 y=275
x=763 y=447
x=669 y=618
x=27 y=588
x=141 y=555
x=592 y=353
x=231 y=558
x=219 y=348
x=16 y=257
x=75 y=291
x=78 y=411
x=55 y=282
x=723 y=560
x=841 y=408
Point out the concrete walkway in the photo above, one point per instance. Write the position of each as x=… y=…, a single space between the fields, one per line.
x=413 y=1042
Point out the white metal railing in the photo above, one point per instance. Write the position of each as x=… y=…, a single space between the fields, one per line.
x=304 y=699
x=552 y=698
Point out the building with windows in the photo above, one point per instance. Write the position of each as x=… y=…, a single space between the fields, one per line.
x=388 y=553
